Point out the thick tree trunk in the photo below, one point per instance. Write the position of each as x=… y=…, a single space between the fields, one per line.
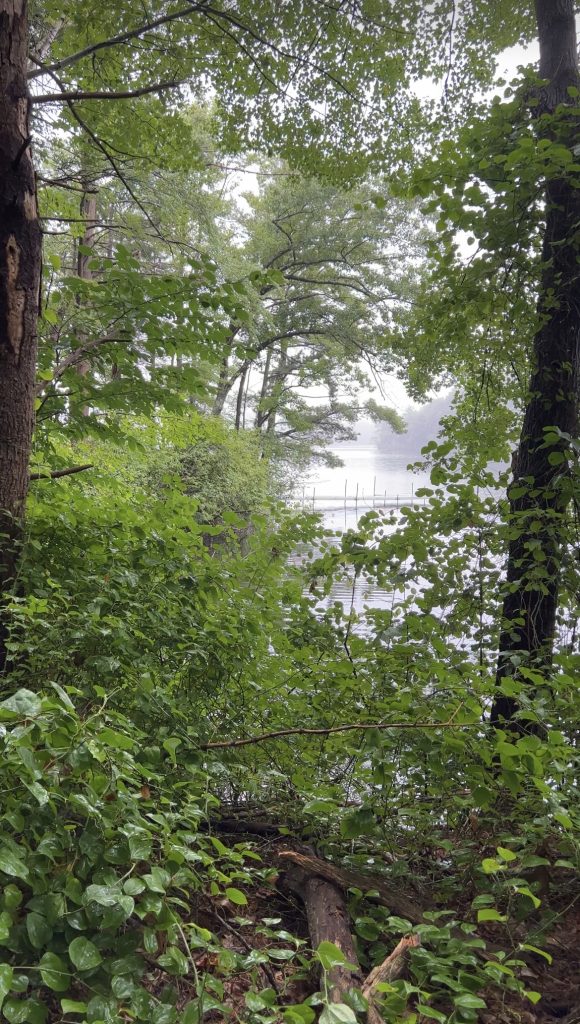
x=20 y=262
x=537 y=499
x=328 y=921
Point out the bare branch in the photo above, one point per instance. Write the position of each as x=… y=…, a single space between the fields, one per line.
x=58 y=97
x=363 y=726
x=56 y=473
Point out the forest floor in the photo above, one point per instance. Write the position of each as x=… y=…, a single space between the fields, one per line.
x=249 y=930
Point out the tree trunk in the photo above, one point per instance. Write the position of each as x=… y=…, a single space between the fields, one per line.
x=537 y=498
x=240 y=398
x=222 y=389
x=328 y=921
x=20 y=263
x=261 y=415
x=88 y=211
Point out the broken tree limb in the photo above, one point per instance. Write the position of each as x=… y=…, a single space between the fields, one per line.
x=329 y=921
x=388 y=971
x=344 y=878
x=390 y=968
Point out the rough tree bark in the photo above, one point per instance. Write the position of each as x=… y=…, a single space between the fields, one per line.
x=20 y=263
x=537 y=502
x=328 y=921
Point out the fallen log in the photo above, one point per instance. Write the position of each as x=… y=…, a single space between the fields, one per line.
x=344 y=878
x=328 y=921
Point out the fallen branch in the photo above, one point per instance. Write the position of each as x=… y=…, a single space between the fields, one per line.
x=388 y=971
x=390 y=968
x=320 y=886
x=56 y=473
x=362 y=726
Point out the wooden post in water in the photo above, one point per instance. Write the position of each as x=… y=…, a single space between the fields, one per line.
x=356 y=502
x=345 y=500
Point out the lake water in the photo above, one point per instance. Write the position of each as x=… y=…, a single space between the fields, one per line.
x=371 y=477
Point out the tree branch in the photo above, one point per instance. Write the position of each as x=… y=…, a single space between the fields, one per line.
x=57 y=97
x=56 y=473
x=75 y=356
x=363 y=726
x=124 y=37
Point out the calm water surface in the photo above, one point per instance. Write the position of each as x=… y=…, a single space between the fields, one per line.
x=371 y=477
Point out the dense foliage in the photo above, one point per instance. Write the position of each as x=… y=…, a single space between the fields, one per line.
x=197 y=734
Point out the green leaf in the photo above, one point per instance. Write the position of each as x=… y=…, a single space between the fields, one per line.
x=467 y=1001
x=536 y=949
x=564 y=819
x=236 y=896
x=174 y=961
x=367 y=928
x=6 y=974
x=490 y=865
x=39 y=930
x=525 y=891
x=24 y=703
x=299 y=1013
x=254 y=1002
x=332 y=956
x=54 y=973
x=104 y=895
x=170 y=745
x=534 y=997
x=428 y=1011
x=84 y=954
x=11 y=865
x=72 y=1006
x=17 y=1011
x=506 y=854
x=116 y=739
x=337 y=1013
x=489 y=914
